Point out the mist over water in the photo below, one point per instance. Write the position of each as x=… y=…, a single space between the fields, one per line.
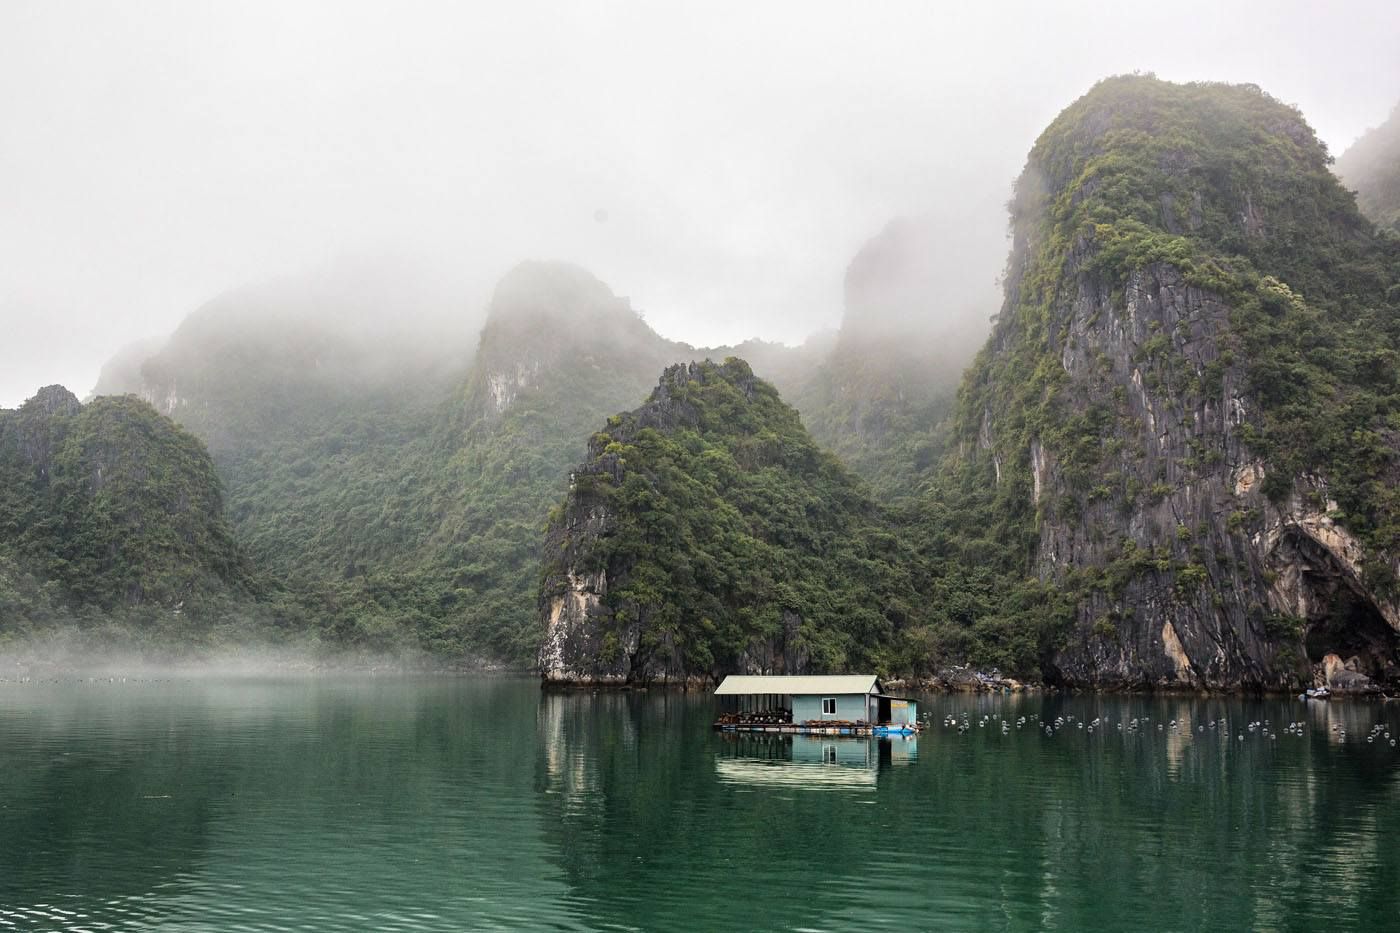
x=69 y=655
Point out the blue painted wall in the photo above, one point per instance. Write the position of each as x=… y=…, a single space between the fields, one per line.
x=849 y=706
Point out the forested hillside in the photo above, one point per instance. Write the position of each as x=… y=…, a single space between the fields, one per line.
x=706 y=531
x=391 y=488
x=108 y=508
x=1174 y=462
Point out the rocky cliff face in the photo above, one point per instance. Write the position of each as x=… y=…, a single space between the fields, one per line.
x=1146 y=394
x=583 y=644
x=1221 y=586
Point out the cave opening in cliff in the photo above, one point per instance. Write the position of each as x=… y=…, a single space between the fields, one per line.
x=1353 y=628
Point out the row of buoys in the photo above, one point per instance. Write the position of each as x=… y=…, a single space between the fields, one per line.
x=1261 y=727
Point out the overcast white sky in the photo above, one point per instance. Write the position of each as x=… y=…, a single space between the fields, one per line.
x=154 y=154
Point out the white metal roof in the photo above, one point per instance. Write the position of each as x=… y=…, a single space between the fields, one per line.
x=745 y=684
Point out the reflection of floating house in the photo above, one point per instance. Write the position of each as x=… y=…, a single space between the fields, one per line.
x=812 y=775
x=844 y=704
x=810 y=761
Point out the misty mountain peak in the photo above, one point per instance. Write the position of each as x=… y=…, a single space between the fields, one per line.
x=557 y=318
x=889 y=283
x=911 y=280
x=548 y=289
x=52 y=400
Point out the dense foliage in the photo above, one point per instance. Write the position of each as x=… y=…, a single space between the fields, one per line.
x=390 y=497
x=727 y=522
x=109 y=508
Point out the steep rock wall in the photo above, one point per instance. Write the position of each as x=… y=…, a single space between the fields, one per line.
x=1187 y=407
x=1202 y=580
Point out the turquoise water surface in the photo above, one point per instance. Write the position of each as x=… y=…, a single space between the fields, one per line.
x=456 y=803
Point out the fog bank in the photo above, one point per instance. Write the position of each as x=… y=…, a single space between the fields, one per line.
x=719 y=164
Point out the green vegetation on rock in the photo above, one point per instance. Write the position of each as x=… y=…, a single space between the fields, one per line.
x=1221 y=197
x=1232 y=189
x=109 y=508
x=730 y=537
x=391 y=494
x=1193 y=371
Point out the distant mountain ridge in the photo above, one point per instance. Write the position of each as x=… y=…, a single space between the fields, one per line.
x=1171 y=464
x=1371 y=166
x=400 y=492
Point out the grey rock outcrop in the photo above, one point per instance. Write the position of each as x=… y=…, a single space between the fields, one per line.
x=1224 y=588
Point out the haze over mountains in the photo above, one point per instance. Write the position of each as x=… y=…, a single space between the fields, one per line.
x=410 y=470
x=1371 y=167
x=718 y=166
x=638 y=343
x=1169 y=464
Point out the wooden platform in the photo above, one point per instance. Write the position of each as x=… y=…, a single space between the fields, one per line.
x=794 y=729
x=803 y=729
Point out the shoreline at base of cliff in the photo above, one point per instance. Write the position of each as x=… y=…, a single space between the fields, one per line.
x=967 y=681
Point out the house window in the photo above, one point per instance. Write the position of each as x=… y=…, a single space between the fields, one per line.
x=828 y=706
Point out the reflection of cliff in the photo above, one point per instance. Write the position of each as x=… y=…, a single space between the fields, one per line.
x=448 y=804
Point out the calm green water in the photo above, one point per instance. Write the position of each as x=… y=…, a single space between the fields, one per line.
x=453 y=804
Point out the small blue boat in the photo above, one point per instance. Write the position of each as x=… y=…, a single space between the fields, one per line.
x=894 y=730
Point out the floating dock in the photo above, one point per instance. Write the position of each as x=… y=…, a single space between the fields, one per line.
x=853 y=705
x=789 y=728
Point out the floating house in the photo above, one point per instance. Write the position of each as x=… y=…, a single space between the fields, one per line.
x=843 y=704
